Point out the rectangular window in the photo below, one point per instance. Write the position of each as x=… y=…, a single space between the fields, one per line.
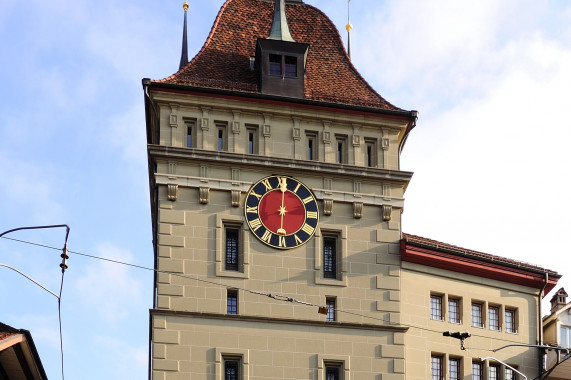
x=312 y=146
x=333 y=371
x=232 y=368
x=436 y=368
x=290 y=66
x=477 y=373
x=509 y=374
x=436 y=307
x=275 y=64
x=252 y=140
x=454 y=310
x=493 y=372
x=565 y=335
x=330 y=304
x=231 y=301
x=454 y=369
x=341 y=149
x=494 y=318
x=190 y=134
x=510 y=321
x=232 y=248
x=370 y=153
x=221 y=137
x=477 y=317
x=330 y=257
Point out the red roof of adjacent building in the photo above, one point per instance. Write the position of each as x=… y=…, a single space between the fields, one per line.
x=436 y=254
x=7 y=331
x=224 y=60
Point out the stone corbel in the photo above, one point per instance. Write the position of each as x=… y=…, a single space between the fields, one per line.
x=236 y=198
x=327 y=207
x=172 y=192
x=357 y=210
x=387 y=211
x=204 y=195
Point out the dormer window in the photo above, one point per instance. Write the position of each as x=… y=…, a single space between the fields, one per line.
x=290 y=66
x=275 y=64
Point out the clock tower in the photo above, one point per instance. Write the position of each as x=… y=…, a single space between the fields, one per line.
x=276 y=201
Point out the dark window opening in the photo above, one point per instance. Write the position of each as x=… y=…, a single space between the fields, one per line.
x=275 y=64
x=189 y=137
x=290 y=67
x=330 y=257
x=231 y=370
x=330 y=304
x=232 y=249
x=232 y=302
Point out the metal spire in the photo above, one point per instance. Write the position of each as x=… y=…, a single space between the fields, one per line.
x=184 y=53
x=349 y=27
x=280 y=28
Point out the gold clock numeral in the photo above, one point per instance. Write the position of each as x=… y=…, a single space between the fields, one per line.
x=267 y=184
x=255 y=224
x=297 y=239
x=252 y=210
x=307 y=229
x=307 y=200
x=312 y=214
x=297 y=187
x=266 y=236
x=282 y=242
x=256 y=195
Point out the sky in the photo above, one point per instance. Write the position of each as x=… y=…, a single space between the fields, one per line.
x=490 y=154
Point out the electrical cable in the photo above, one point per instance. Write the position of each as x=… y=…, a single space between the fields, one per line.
x=277 y=297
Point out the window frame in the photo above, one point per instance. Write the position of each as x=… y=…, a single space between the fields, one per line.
x=253 y=140
x=494 y=321
x=456 y=373
x=331 y=305
x=232 y=302
x=330 y=241
x=341 y=149
x=288 y=73
x=480 y=315
x=312 y=152
x=456 y=310
x=190 y=125
x=436 y=373
x=491 y=368
x=436 y=307
x=565 y=330
x=371 y=155
x=221 y=137
x=341 y=233
x=232 y=221
x=511 y=327
x=275 y=61
x=230 y=232
x=224 y=355
x=477 y=366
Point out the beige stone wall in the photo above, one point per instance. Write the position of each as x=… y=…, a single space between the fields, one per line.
x=425 y=335
x=193 y=347
x=200 y=190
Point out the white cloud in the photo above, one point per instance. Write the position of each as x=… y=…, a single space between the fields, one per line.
x=110 y=289
x=127 y=132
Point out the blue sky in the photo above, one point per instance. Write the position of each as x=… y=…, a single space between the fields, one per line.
x=490 y=153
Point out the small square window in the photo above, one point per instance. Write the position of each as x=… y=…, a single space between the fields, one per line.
x=436 y=307
x=330 y=304
x=454 y=369
x=330 y=252
x=232 y=302
x=477 y=317
x=341 y=154
x=252 y=139
x=494 y=318
x=290 y=66
x=510 y=321
x=454 y=310
x=275 y=64
x=232 y=257
x=221 y=137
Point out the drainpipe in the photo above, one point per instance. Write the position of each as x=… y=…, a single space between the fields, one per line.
x=541 y=352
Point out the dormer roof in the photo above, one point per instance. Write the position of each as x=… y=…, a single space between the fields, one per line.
x=224 y=62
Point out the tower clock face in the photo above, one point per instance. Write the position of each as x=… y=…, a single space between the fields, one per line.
x=281 y=211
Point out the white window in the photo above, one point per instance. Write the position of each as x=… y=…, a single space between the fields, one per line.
x=436 y=372
x=494 y=318
x=454 y=369
x=436 y=307
x=454 y=310
x=477 y=317
x=477 y=373
x=510 y=321
x=565 y=333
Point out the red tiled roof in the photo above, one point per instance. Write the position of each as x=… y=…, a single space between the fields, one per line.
x=224 y=60
x=439 y=246
x=7 y=331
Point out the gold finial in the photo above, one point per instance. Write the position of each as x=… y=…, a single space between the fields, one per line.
x=349 y=27
x=185 y=5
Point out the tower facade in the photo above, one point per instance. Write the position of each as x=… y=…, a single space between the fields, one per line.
x=276 y=198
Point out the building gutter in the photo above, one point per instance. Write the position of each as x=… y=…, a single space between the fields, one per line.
x=541 y=352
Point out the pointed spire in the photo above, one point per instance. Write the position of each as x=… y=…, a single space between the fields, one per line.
x=280 y=29
x=349 y=27
x=184 y=53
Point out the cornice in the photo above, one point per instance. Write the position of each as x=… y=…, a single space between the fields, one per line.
x=281 y=321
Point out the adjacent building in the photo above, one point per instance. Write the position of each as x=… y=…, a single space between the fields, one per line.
x=19 y=359
x=557 y=333
x=276 y=200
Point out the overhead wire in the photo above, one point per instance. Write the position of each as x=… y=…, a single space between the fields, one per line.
x=271 y=295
